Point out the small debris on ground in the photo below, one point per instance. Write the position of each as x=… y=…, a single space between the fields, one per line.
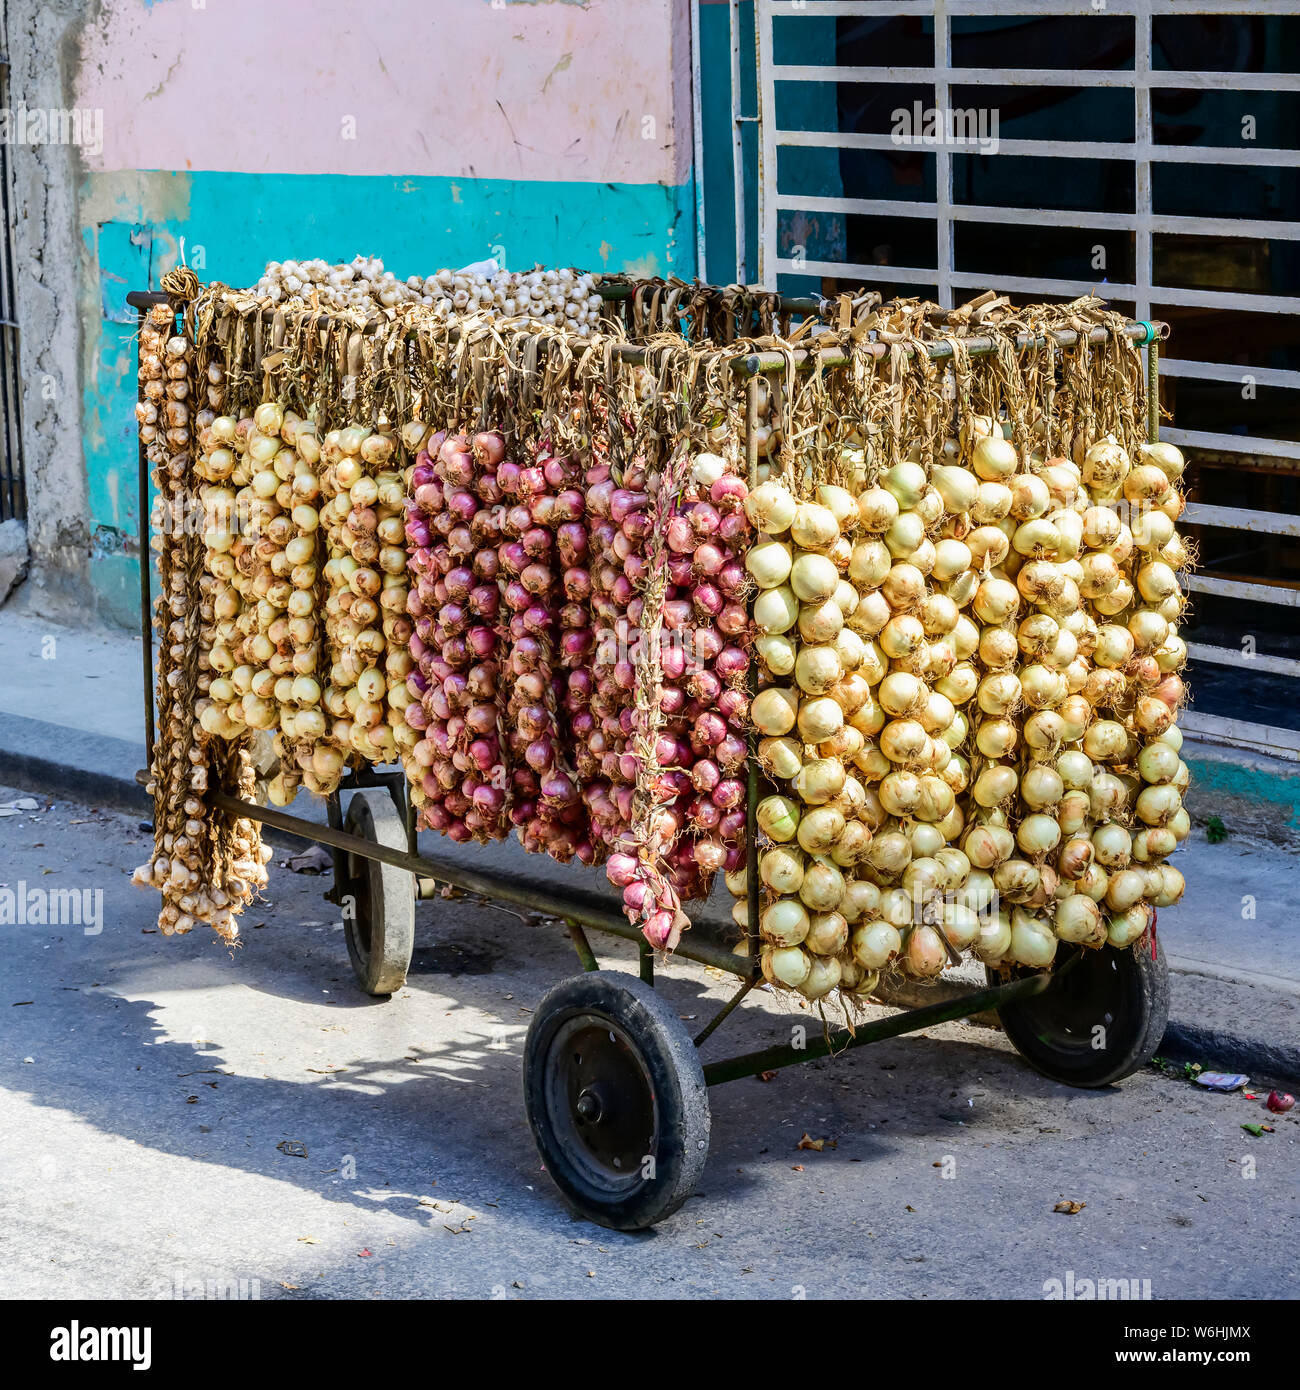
x=311 y=861
x=293 y=1147
x=1069 y=1207
x=1222 y=1080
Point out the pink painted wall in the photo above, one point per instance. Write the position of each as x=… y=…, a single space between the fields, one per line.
x=531 y=89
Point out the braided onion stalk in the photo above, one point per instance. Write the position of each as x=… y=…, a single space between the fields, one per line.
x=206 y=866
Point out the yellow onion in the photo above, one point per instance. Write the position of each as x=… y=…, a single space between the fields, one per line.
x=770 y=508
x=1078 y=919
x=819 y=829
x=1172 y=886
x=778 y=818
x=785 y=922
x=787 y=965
x=776 y=652
x=769 y=562
x=782 y=869
x=994 y=939
x=925 y=955
x=774 y=711
x=828 y=933
x=780 y=757
x=776 y=610
x=1033 y=943
x=1124 y=928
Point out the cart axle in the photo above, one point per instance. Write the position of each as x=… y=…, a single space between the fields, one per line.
x=841 y=1039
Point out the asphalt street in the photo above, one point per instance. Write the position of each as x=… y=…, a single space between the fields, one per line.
x=176 y=1116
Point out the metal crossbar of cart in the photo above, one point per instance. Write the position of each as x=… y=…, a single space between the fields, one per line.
x=615 y=1087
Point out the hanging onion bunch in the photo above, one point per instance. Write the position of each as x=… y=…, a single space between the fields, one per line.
x=549 y=631
x=205 y=866
x=813 y=713
x=458 y=637
x=361 y=511
x=680 y=540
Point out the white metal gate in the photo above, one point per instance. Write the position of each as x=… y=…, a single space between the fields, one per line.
x=1143 y=153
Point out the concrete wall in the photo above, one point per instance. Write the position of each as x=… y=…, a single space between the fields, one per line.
x=428 y=132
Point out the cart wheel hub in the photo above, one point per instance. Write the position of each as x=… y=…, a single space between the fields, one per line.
x=589 y=1107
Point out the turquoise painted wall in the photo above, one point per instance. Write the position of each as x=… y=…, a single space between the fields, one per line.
x=233 y=223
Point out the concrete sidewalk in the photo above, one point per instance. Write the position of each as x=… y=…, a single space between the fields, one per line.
x=71 y=724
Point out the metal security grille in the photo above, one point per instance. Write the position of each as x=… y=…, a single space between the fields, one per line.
x=13 y=502
x=928 y=259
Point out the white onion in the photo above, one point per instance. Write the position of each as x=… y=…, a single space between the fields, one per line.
x=816 y=669
x=785 y=922
x=819 y=829
x=813 y=527
x=995 y=785
x=1172 y=886
x=869 y=563
x=822 y=887
x=994 y=458
x=1038 y=834
x=925 y=954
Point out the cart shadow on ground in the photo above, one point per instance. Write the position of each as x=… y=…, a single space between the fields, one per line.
x=452 y=1108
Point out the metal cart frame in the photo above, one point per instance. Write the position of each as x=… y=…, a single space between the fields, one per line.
x=606 y=1063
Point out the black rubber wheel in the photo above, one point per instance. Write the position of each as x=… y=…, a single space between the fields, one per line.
x=1097 y=1023
x=378 y=900
x=616 y=1099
